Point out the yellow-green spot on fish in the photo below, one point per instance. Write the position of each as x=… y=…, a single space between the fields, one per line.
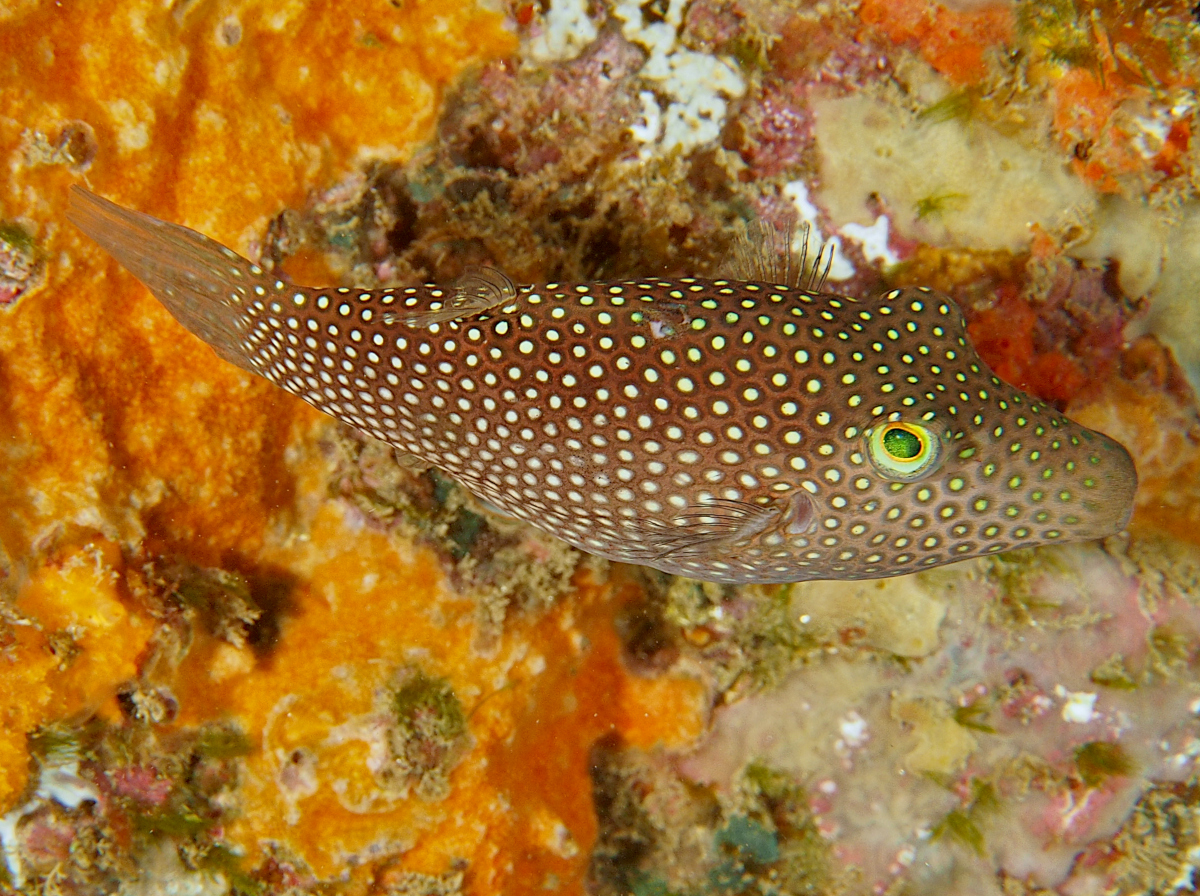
x=735 y=431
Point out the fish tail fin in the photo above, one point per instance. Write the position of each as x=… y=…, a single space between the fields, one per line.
x=204 y=285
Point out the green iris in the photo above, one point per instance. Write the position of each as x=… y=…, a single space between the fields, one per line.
x=904 y=452
x=901 y=444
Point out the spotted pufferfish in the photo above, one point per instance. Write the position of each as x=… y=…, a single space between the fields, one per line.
x=728 y=430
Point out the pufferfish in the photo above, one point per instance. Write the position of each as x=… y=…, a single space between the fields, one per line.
x=736 y=431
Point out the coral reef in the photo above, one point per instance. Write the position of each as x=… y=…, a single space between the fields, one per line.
x=246 y=651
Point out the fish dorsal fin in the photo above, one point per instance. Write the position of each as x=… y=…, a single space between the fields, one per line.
x=411 y=462
x=478 y=290
x=764 y=253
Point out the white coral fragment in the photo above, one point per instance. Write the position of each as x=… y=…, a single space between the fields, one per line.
x=873 y=239
x=1079 y=707
x=692 y=90
x=567 y=30
x=840 y=268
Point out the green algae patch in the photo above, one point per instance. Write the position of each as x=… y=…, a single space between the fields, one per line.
x=429 y=703
x=960 y=827
x=788 y=831
x=221 y=860
x=22 y=264
x=1063 y=30
x=222 y=742
x=221 y=601
x=1112 y=673
x=749 y=839
x=428 y=736
x=937 y=203
x=1171 y=652
x=1097 y=761
x=964 y=826
x=16 y=237
x=974 y=716
x=958 y=104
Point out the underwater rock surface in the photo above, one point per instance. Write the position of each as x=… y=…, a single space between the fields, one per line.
x=247 y=651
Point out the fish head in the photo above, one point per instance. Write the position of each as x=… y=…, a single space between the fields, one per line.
x=924 y=456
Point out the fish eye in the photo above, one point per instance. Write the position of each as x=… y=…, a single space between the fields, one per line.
x=904 y=452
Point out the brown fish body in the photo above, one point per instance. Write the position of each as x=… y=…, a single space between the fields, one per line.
x=723 y=430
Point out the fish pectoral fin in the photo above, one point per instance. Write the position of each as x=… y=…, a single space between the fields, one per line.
x=478 y=290
x=764 y=253
x=708 y=529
